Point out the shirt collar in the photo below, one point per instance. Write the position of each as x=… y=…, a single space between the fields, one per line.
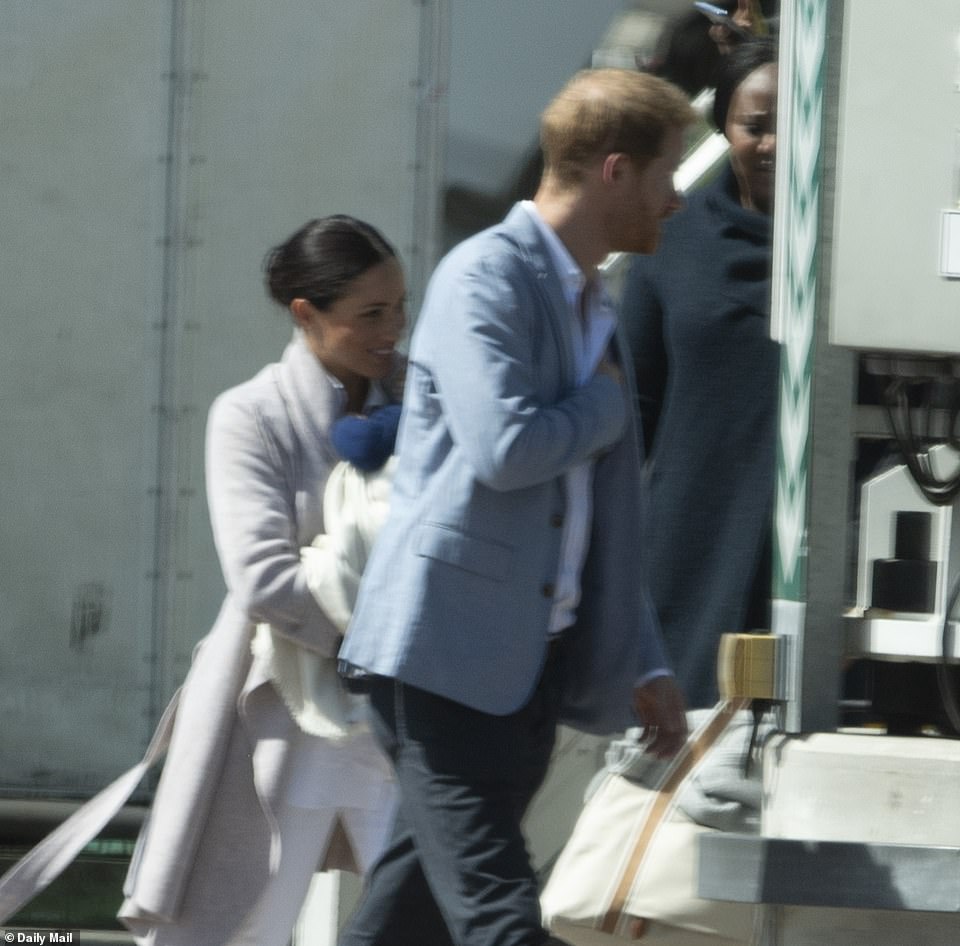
x=571 y=276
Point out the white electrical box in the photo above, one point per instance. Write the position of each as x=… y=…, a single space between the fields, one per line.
x=950 y=244
x=896 y=252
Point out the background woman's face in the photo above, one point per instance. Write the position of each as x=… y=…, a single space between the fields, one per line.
x=751 y=130
x=355 y=337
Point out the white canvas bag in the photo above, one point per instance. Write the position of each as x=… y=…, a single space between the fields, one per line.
x=629 y=871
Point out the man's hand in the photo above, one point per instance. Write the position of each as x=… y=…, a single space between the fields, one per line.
x=662 y=711
x=611 y=369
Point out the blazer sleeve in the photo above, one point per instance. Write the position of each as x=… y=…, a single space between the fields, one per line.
x=641 y=312
x=252 y=510
x=483 y=360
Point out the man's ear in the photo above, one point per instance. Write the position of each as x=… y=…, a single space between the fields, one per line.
x=301 y=310
x=613 y=167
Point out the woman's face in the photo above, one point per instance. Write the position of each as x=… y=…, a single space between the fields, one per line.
x=751 y=130
x=355 y=338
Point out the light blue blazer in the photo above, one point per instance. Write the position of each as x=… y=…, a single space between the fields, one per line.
x=457 y=595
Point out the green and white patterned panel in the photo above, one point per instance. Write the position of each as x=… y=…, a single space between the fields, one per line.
x=795 y=278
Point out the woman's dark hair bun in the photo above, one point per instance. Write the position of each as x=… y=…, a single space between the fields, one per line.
x=320 y=260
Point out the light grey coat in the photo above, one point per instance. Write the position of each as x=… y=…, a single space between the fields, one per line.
x=268 y=458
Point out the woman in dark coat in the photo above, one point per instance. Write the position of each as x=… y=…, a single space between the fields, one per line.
x=697 y=314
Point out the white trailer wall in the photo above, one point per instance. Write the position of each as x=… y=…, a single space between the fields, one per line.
x=151 y=153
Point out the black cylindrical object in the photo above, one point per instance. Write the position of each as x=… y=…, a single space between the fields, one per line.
x=907 y=582
x=912 y=536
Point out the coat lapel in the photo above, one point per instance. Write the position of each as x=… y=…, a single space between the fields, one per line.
x=311 y=400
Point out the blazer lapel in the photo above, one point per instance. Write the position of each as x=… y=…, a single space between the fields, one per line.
x=524 y=231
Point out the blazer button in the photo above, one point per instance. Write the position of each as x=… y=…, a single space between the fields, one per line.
x=556 y=520
x=547 y=590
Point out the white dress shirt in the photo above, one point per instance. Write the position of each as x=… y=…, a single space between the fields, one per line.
x=593 y=319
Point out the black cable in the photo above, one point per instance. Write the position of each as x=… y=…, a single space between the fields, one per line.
x=896 y=402
x=754 y=748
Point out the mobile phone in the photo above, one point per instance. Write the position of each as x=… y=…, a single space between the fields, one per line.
x=721 y=17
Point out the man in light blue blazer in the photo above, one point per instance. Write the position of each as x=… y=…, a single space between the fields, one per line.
x=505 y=593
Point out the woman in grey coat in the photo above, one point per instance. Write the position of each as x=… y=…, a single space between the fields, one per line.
x=249 y=799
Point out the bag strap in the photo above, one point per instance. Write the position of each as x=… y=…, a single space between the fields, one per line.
x=685 y=761
x=44 y=862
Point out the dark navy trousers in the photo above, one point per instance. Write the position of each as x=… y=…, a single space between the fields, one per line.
x=456 y=871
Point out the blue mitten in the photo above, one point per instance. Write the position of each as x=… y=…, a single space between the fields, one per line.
x=367 y=440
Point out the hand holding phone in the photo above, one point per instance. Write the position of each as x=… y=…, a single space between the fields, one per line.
x=721 y=17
